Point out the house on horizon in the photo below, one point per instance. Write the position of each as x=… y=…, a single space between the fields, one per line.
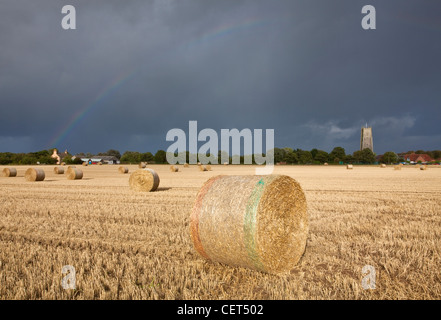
x=415 y=158
x=102 y=159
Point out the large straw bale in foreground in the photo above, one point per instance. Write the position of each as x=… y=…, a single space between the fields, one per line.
x=9 y=172
x=58 y=170
x=144 y=180
x=74 y=174
x=33 y=174
x=123 y=170
x=257 y=222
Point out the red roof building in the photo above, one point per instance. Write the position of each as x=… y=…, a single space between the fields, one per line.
x=414 y=157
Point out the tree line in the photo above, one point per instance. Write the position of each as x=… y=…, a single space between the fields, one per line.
x=281 y=155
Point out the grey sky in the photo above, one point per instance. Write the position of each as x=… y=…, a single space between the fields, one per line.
x=304 y=68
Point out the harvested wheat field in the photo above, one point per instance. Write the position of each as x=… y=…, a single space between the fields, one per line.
x=125 y=244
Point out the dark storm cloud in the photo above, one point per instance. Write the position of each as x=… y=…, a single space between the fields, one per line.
x=304 y=68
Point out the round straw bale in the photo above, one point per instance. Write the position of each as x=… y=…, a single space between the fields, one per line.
x=71 y=167
x=58 y=170
x=208 y=167
x=423 y=167
x=74 y=174
x=142 y=165
x=33 y=174
x=100 y=163
x=257 y=222
x=85 y=163
x=397 y=167
x=349 y=166
x=144 y=180
x=123 y=169
x=225 y=163
x=63 y=163
x=186 y=165
x=9 y=172
x=325 y=164
x=202 y=168
x=382 y=165
x=174 y=169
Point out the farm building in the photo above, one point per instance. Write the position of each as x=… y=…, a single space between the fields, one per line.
x=102 y=159
x=415 y=158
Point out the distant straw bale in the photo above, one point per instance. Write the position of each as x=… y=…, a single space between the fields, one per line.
x=257 y=222
x=142 y=165
x=423 y=167
x=123 y=169
x=208 y=167
x=144 y=180
x=9 y=172
x=33 y=174
x=174 y=169
x=382 y=165
x=397 y=167
x=85 y=164
x=58 y=170
x=325 y=164
x=202 y=168
x=74 y=174
x=349 y=167
x=186 y=165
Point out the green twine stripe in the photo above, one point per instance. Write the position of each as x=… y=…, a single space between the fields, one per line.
x=249 y=227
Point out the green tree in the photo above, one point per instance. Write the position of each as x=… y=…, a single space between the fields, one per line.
x=305 y=157
x=112 y=153
x=291 y=157
x=321 y=156
x=358 y=156
x=131 y=157
x=367 y=156
x=390 y=157
x=146 y=157
x=337 y=154
x=279 y=155
x=160 y=156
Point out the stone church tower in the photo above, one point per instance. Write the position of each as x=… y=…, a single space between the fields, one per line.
x=366 y=138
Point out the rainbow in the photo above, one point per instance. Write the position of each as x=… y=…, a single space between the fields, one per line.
x=121 y=79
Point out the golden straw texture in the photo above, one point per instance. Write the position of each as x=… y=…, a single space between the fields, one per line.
x=123 y=170
x=144 y=180
x=74 y=174
x=9 y=172
x=257 y=222
x=58 y=170
x=34 y=174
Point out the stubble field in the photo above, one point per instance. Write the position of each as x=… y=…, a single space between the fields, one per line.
x=130 y=245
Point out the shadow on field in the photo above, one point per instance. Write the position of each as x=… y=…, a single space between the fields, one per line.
x=162 y=189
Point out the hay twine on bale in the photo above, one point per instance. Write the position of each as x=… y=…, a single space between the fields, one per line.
x=58 y=170
x=145 y=180
x=349 y=167
x=9 y=172
x=174 y=169
x=33 y=174
x=74 y=174
x=123 y=170
x=257 y=222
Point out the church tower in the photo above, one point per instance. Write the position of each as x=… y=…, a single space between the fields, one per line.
x=366 y=138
